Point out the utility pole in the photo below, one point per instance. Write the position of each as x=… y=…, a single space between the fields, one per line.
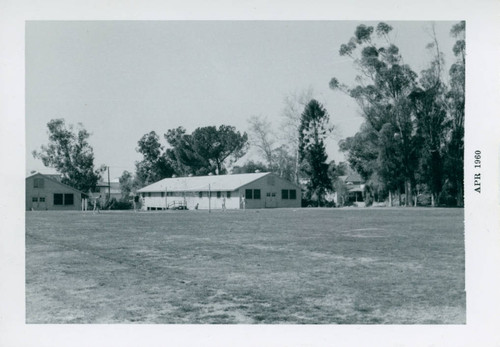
x=209 y=198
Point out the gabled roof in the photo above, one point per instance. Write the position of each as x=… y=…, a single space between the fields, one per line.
x=355 y=177
x=104 y=183
x=51 y=177
x=56 y=177
x=202 y=183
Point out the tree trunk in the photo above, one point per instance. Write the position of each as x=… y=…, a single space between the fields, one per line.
x=296 y=173
x=433 y=200
x=390 y=198
x=406 y=193
x=460 y=195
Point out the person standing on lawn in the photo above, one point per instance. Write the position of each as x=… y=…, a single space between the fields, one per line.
x=135 y=200
x=97 y=205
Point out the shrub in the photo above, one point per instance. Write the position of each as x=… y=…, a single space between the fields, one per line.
x=368 y=200
x=330 y=203
x=122 y=205
x=119 y=205
x=424 y=200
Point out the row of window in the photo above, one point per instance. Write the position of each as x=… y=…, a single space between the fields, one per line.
x=250 y=194
x=59 y=199
x=200 y=194
x=286 y=194
x=38 y=199
x=63 y=199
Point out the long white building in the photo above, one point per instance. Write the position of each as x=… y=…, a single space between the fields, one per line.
x=252 y=190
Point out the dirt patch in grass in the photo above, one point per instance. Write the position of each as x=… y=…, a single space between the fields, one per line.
x=309 y=266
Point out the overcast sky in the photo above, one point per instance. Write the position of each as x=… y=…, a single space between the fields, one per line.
x=122 y=79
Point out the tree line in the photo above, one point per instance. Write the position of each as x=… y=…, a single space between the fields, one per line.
x=207 y=150
x=411 y=140
x=213 y=150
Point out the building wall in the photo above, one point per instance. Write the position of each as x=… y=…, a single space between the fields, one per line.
x=159 y=201
x=271 y=187
x=47 y=192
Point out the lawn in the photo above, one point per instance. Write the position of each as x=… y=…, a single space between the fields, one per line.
x=283 y=266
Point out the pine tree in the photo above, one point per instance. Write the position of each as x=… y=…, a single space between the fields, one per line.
x=314 y=128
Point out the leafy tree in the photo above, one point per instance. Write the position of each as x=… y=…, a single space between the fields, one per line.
x=313 y=130
x=155 y=165
x=250 y=167
x=390 y=161
x=375 y=189
x=430 y=112
x=219 y=145
x=382 y=94
x=284 y=163
x=262 y=137
x=69 y=152
x=280 y=159
x=126 y=185
x=454 y=152
x=364 y=157
x=338 y=185
x=207 y=149
x=291 y=119
x=336 y=170
x=183 y=155
x=362 y=151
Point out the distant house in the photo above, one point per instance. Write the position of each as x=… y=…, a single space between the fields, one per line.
x=254 y=190
x=349 y=190
x=46 y=192
x=112 y=188
x=355 y=187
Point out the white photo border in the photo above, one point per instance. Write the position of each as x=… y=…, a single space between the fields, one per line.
x=481 y=210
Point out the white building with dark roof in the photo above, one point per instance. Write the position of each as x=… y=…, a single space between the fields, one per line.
x=251 y=190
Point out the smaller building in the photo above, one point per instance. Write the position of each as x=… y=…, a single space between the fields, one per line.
x=349 y=190
x=109 y=189
x=46 y=192
x=355 y=187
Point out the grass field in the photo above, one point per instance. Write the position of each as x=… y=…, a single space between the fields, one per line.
x=305 y=266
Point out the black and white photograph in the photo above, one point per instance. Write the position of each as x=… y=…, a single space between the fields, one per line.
x=265 y=176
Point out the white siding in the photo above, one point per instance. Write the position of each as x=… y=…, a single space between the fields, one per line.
x=156 y=201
